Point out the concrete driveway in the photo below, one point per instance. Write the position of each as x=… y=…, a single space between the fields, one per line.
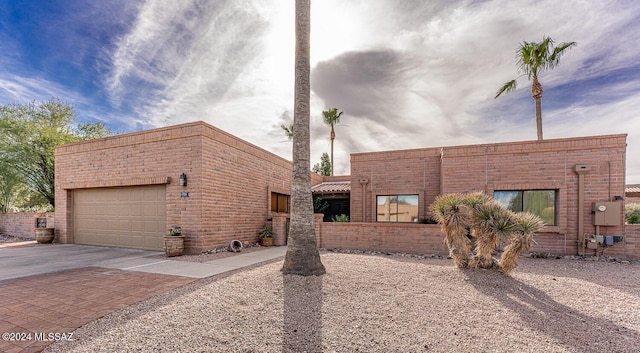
x=35 y=260
x=56 y=288
x=40 y=259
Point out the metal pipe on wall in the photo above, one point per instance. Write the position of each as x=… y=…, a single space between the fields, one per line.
x=581 y=169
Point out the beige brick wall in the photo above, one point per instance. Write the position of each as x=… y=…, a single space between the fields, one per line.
x=22 y=224
x=229 y=179
x=526 y=165
x=632 y=241
x=407 y=237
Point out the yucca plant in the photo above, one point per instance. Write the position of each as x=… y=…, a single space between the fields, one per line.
x=491 y=223
x=451 y=212
x=526 y=224
x=475 y=199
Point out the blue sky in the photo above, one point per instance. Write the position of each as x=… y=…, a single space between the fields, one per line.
x=406 y=74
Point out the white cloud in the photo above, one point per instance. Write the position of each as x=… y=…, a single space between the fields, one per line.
x=407 y=74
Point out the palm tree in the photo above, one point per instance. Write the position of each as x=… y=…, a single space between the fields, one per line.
x=534 y=58
x=288 y=130
x=302 y=257
x=331 y=118
x=287 y=124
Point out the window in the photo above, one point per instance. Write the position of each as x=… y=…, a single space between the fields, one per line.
x=539 y=202
x=279 y=203
x=397 y=208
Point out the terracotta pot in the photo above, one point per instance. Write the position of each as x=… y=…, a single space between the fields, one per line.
x=44 y=235
x=173 y=245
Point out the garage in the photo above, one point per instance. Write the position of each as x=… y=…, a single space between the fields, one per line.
x=131 y=217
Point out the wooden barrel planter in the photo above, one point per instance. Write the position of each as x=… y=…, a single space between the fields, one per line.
x=266 y=241
x=173 y=245
x=44 y=235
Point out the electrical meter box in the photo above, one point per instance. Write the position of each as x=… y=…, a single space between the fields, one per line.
x=607 y=213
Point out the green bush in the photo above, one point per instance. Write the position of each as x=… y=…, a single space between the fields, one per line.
x=632 y=213
x=341 y=218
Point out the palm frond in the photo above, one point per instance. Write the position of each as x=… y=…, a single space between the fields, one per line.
x=558 y=52
x=506 y=88
x=331 y=117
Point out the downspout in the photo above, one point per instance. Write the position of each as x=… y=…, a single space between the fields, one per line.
x=581 y=169
x=364 y=182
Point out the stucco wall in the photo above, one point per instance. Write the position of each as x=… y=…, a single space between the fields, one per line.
x=229 y=180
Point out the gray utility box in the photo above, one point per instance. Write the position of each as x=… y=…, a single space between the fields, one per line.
x=607 y=213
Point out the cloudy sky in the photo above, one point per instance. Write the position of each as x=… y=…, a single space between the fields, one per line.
x=406 y=74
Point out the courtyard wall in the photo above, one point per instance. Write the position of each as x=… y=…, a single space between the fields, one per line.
x=22 y=224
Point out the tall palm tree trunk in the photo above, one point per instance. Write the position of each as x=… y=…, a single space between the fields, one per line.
x=333 y=137
x=536 y=93
x=302 y=257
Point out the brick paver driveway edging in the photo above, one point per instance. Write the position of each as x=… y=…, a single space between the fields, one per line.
x=36 y=310
x=48 y=291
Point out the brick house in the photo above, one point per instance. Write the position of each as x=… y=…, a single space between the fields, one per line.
x=125 y=191
x=561 y=171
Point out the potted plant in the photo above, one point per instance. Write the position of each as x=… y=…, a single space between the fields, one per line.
x=266 y=236
x=44 y=234
x=174 y=242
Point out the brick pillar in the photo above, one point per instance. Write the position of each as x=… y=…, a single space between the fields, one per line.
x=279 y=225
x=317 y=224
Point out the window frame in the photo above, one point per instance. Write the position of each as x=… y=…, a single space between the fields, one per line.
x=276 y=208
x=397 y=212
x=523 y=204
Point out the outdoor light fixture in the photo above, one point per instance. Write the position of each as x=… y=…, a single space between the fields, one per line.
x=183 y=179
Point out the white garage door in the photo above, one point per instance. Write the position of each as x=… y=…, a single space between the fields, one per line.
x=130 y=217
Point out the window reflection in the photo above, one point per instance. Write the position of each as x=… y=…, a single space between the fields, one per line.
x=397 y=208
x=539 y=202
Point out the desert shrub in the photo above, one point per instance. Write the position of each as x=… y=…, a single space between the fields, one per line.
x=632 y=213
x=341 y=218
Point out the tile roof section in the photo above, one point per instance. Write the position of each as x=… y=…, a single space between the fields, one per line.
x=632 y=190
x=332 y=187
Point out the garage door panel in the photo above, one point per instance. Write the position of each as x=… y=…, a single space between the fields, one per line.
x=126 y=217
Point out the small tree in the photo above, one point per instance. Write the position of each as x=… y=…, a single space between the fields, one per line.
x=11 y=186
x=324 y=167
x=319 y=205
x=632 y=213
x=29 y=134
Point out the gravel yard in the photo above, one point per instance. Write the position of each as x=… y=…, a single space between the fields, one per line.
x=383 y=303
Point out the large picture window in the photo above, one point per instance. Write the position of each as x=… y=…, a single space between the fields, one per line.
x=279 y=203
x=539 y=202
x=397 y=208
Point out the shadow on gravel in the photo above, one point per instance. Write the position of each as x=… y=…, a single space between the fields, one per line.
x=577 y=331
x=302 y=311
x=621 y=276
